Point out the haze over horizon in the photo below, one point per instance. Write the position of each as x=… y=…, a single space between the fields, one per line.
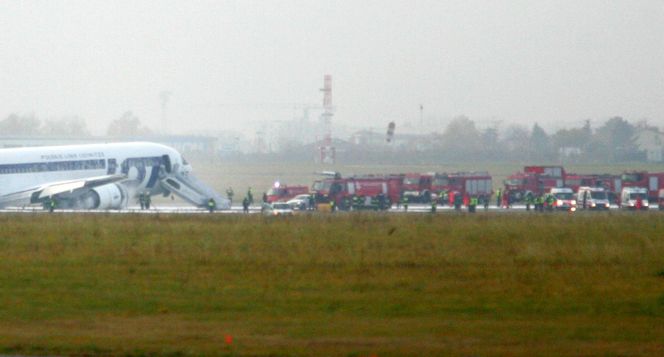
x=229 y=64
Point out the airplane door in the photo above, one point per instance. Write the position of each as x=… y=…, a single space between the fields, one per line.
x=166 y=161
x=112 y=166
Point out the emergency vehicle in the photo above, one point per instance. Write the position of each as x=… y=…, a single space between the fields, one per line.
x=593 y=198
x=653 y=182
x=359 y=192
x=417 y=187
x=281 y=192
x=612 y=183
x=564 y=199
x=466 y=184
x=634 y=198
x=535 y=180
x=574 y=181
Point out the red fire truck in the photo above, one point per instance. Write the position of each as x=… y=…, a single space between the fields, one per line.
x=466 y=184
x=574 y=181
x=281 y=192
x=652 y=181
x=534 y=179
x=369 y=191
x=417 y=187
x=611 y=183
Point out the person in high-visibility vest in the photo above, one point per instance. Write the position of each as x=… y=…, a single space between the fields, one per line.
x=540 y=203
x=529 y=200
x=498 y=198
x=51 y=205
x=433 y=206
x=472 y=204
x=405 y=203
x=346 y=204
x=211 y=205
x=550 y=201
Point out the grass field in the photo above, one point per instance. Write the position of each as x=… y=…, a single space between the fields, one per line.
x=346 y=285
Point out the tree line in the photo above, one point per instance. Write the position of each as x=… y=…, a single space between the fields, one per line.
x=127 y=125
x=461 y=141
x=613 y=141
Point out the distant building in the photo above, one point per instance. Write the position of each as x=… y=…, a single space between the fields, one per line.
x=276 y=136
x=368 y=138
x=232 y=143
x=193 y=144
x=570 y=152
x=650 y=141
x=400 y=142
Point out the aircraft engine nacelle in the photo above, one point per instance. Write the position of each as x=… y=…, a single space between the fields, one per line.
x=111 y=196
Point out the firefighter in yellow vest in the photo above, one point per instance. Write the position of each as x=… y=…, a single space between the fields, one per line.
x=472 y=204
x=211 y=205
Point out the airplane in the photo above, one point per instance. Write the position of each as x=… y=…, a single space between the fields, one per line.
x=98 y=176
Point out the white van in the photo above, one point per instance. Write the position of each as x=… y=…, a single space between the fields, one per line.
x=634 y=198
x=565 y=199
x=595 y=198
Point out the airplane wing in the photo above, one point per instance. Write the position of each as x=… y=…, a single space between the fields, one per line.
x=41 y=192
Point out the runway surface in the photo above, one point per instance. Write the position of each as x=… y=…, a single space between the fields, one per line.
x=412 y=208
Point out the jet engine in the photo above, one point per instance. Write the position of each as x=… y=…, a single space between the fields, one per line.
x=111 y=196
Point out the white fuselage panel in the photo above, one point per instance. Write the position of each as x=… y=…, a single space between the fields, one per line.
x=25 y=168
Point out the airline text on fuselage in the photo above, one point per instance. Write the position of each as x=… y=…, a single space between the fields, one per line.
x=86 y=155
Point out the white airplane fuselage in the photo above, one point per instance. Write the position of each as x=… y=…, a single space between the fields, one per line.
x=147 y=167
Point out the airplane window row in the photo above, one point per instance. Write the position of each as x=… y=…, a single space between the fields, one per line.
x=140 y=162
x=52 y=166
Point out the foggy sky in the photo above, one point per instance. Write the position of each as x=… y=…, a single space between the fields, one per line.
x=231 y=63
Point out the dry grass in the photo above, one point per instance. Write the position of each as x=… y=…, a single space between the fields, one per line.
x=348 y=285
